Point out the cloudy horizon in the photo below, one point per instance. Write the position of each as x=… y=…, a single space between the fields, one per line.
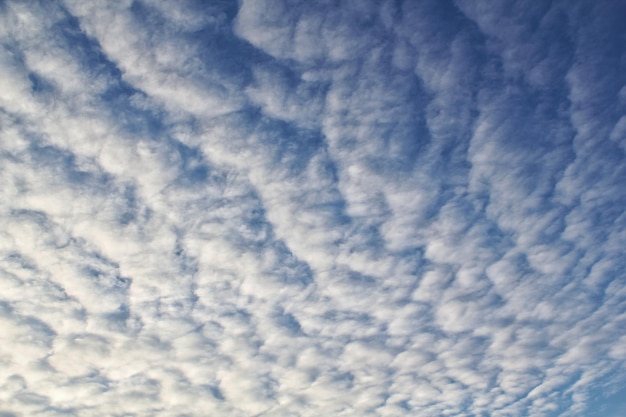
x=312 y=208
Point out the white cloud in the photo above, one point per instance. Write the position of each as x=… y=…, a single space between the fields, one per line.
x=296 y=210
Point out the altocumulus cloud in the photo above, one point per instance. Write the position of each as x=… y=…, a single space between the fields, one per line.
x=295 y=208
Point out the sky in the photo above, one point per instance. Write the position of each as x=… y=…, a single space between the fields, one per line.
x=296 y=208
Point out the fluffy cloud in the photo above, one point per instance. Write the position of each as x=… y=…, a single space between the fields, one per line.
x=291 y=209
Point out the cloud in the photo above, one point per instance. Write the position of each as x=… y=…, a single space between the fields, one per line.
x=293 y=209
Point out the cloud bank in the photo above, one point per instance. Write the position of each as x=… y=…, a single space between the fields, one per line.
x=292 y=209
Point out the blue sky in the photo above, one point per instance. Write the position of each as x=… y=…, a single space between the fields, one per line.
x=312 y=208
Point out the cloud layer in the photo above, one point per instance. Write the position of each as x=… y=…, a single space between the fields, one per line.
x=296 y=209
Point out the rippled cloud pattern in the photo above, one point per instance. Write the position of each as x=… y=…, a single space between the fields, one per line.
x=290 y=208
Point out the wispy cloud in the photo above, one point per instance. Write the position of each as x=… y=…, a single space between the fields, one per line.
x=293 y=209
